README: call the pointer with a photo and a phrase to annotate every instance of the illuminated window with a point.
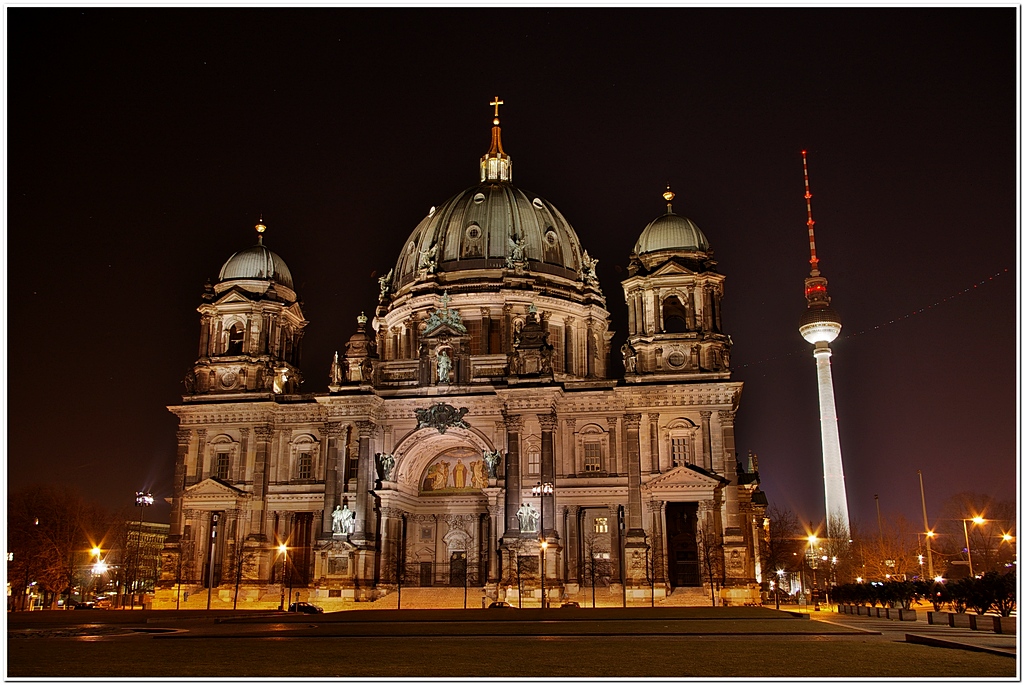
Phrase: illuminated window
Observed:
(601, 524)
(223, 462)
(305, 465)
(533, 462)
(591, 456)
(679, 451)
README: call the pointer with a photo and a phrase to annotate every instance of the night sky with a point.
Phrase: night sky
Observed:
(144, 144)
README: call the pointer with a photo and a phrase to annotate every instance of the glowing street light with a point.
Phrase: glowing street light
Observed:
(283, 549)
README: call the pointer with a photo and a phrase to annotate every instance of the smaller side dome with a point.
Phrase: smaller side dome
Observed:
(671, 231)
(256, 263)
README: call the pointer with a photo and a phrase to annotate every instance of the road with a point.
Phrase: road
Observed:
(512, 643)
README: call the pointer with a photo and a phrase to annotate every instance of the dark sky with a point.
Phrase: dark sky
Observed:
(143, 144)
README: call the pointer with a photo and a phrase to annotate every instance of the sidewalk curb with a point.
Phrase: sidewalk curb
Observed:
(953, 644)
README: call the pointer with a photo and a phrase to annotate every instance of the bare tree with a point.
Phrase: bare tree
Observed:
(516, 570)
(594, 563)
(712, 554)
(780, 542)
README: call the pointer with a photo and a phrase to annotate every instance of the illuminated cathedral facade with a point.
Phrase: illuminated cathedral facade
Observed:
(471, 433)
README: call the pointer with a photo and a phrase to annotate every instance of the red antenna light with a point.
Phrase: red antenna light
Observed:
(810, 218)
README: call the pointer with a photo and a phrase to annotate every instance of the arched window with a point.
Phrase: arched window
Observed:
(236, 336)
(673, 315)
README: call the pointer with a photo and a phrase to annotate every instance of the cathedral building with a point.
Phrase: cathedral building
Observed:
(471, 432)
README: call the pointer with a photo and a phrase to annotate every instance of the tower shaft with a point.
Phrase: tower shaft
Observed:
(836, 511)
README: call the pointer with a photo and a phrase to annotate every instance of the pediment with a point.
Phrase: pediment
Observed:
(672, 268)
(685, 477)
(444, 331)
(211, 488)
(234, 295)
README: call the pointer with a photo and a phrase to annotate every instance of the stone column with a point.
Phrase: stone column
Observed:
(238, 468)
(655, 448)
(547, 470)
(706, 321)
(204, 337)
(591, 351)
(569, 439)
(365, 521)
(659, 321)
(705, 430)
(506, 328)
(180, 457)
(485, 330)
(567, 344)
(634, 519)
(332, 475)
(572, 544)
(200, 455)
(257, 522)
(513, 427)
(733, 524)
(614, 467)
(691, 311)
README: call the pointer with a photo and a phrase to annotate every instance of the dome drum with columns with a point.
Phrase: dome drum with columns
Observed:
(473, 425)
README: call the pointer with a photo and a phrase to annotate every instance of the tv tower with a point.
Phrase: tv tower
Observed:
(820, 325)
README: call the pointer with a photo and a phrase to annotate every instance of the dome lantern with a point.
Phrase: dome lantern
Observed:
(496, 166)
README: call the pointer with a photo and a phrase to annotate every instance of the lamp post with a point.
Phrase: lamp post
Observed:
(928, 531)
(283, 548)
(977, 520)
(95, 553)
(142, 500)
(213, 546)
(542, 490)
(778, 583)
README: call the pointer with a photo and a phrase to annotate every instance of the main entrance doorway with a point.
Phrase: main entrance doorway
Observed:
(681, 535)
(457, 570)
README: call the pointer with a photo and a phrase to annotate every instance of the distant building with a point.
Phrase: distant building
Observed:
(482, 376)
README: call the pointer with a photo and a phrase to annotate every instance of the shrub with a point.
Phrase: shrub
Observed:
(1005, 594)
(958, 592)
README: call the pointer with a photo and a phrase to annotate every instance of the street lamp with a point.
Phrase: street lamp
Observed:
(977, 520)
(283, 549)
(778, 585)
(542, 490)
(142, 500)
(95, 552)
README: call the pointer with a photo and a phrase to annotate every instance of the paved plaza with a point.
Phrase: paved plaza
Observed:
(698, 642)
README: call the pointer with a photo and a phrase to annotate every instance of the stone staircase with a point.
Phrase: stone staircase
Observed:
(686, 597)
(430, 598)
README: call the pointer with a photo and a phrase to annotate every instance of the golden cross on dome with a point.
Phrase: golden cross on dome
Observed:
(496, 103)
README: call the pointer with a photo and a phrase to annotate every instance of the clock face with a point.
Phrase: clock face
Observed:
(677, 359)
(229, 379)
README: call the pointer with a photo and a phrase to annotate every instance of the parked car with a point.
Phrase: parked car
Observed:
(570, 605)
(500, 605)
(305, 608)
(84, 606)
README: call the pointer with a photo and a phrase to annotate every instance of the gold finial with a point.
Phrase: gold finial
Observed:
(496, 103)
(260, 227)
(668, 194)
